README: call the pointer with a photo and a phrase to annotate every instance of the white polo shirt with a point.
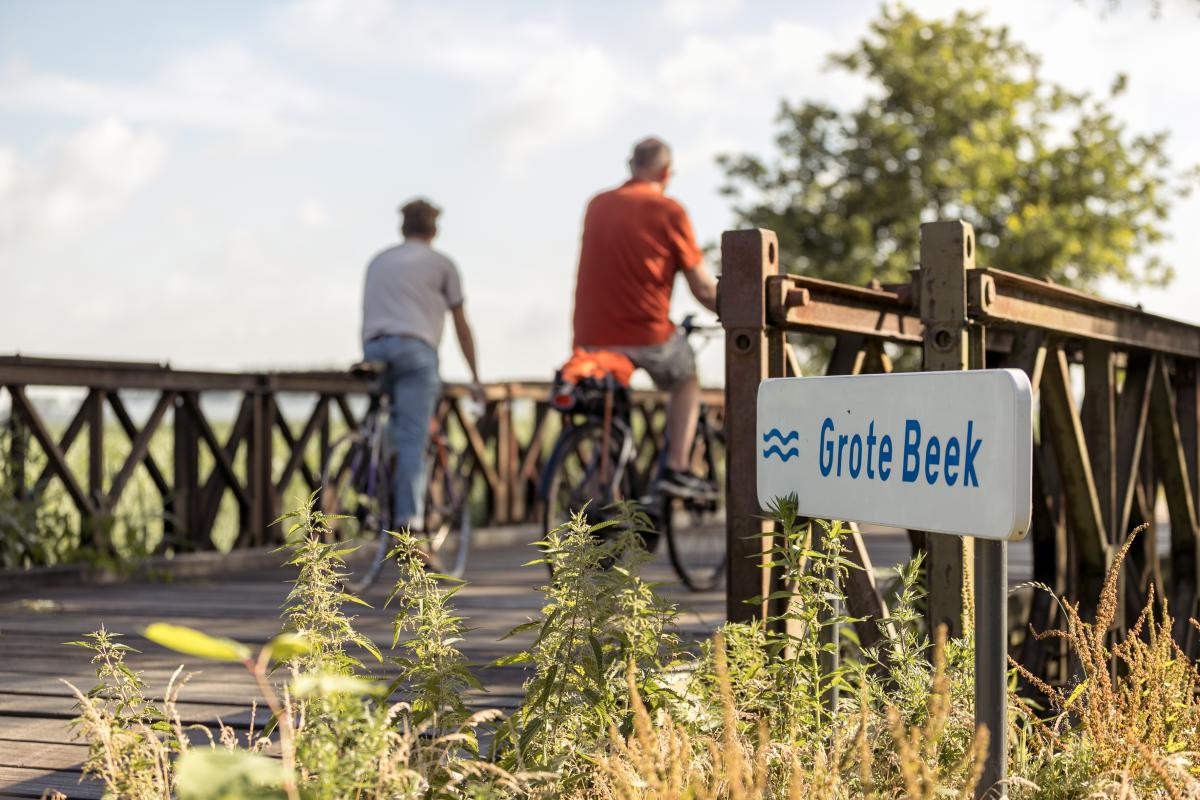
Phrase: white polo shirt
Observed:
(407, 292)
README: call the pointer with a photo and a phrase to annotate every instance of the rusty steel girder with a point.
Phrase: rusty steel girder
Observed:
(1004, 299)
(797, 303)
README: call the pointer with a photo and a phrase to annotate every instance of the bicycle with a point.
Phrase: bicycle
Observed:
(356, 493)
(594, 464)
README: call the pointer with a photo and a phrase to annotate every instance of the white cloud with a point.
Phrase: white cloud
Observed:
(721, 74)
(312, 214)
(90, 178)
(693, 13)
(539, 83)
(224, 86)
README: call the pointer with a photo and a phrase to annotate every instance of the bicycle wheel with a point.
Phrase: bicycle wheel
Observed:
(447, 514)
(358, 493)
(575, 481)
(696, 528)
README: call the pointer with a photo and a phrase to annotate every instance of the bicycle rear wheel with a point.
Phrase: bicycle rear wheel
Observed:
(447, 514)
(356, 495)
(696, 528)
(576, 479)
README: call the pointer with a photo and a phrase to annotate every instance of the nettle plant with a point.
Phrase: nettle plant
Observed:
(617, 706)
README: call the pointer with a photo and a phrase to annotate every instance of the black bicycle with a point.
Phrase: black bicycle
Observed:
(595, 463)
(356, 492)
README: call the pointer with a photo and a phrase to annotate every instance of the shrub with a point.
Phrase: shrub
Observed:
(616, 707)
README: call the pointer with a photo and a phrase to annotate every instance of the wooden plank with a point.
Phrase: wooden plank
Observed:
(1065, 432)
(42, 755)
(1099, 420)
(33, 729)
(847, 355)
(863, 600)
(63, 707)
(64, 445)
(1187, 407)
(1170, 463)
(297, 446)
(791, 362)
(54, 456)
(220, 458)
(138, 448)
(25, 782)
(1133, 409)
(478, 449)
(214, 487)
(95, 425)
(126, 423)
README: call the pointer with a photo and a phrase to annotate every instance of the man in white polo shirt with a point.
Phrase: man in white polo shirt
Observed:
(408, 290)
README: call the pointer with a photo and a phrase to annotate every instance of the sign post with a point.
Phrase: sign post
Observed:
(946, 452)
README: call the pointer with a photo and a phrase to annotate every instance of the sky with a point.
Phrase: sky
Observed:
(204, 183)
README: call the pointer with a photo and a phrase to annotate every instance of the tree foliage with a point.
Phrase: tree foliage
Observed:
(959, 124)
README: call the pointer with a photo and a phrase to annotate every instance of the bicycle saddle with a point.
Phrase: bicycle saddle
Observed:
(365, 369)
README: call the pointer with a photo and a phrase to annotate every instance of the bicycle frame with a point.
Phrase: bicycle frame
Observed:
(616, 426)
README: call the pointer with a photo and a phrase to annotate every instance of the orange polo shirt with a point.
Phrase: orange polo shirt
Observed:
(634, 241)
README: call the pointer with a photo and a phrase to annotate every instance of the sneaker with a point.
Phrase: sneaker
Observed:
(677, 483)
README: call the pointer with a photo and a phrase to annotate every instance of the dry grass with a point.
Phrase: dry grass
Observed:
(663, 760)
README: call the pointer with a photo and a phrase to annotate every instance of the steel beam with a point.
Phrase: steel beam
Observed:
(749, 258)
(796, 303)
(1001, 298)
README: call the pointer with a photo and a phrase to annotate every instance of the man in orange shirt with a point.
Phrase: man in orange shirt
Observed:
(635, 240)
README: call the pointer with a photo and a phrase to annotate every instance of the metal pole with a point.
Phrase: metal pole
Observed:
(991, 661)
(748, 258)
(947, 256)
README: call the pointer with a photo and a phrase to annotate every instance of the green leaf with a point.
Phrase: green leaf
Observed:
(192, 642)
(524, 626)
(530, 731)
(515, 658)
(210, 774)
(287, 646)
(322, 684)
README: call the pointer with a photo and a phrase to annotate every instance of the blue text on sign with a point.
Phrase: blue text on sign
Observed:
(855, 455)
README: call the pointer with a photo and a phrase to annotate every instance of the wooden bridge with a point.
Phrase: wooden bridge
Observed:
(37, 752)
(1118, 437)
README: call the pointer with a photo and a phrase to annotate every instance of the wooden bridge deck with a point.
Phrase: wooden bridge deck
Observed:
(37, 752)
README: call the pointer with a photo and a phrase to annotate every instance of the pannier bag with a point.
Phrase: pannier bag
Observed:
(581, 384)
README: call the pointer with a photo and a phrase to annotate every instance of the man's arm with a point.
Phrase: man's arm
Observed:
(703, 285)
(466, 342)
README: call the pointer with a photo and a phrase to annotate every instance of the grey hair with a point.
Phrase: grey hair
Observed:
(650, 153)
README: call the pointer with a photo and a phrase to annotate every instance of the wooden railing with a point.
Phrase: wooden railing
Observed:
(239, 472)
(1101, 457)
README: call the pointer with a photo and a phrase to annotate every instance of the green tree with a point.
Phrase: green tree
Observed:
(959, 124)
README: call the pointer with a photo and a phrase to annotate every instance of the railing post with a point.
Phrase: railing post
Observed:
(748, 257)
(947, 252)
(260, 477)
(18, 454)
(187, 472)
(952, 342)
(95, 526)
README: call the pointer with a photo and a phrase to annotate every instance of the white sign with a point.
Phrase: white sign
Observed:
(949, 452)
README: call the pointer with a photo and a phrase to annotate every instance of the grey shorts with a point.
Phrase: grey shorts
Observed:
(669, 364)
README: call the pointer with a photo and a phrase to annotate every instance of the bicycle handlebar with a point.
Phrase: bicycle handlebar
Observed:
(690, 327)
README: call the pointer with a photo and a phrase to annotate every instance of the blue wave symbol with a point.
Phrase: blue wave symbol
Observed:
(784, 455)
(783, 440)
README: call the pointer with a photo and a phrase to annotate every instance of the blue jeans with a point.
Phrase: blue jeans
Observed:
(412, 381)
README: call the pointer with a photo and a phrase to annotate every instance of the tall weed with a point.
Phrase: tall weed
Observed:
(617, 707)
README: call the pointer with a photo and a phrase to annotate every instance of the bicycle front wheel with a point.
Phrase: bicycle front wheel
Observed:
(577, 479)
(447, 514)
(696, 528)
(356, 498)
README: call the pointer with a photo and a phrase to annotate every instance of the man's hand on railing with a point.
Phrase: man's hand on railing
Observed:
(478, 393)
